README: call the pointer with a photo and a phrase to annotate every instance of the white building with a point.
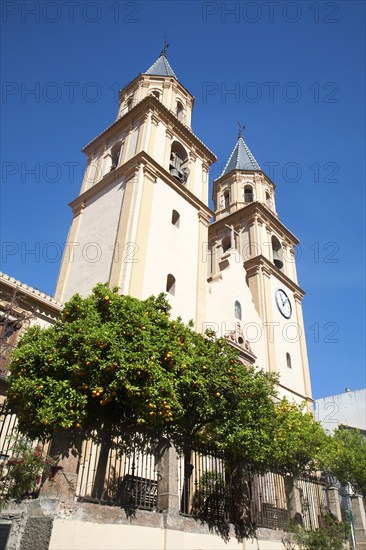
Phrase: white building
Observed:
(142, 223)
(346, 409)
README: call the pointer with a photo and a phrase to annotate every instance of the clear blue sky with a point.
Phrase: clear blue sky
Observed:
(296, 75)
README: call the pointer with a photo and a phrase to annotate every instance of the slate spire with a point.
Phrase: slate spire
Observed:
(161, 67)
(241, 158)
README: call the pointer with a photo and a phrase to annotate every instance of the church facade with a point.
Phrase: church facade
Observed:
(142, 222)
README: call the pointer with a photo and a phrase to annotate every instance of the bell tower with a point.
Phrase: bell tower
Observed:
(246, 223)
(142, 214)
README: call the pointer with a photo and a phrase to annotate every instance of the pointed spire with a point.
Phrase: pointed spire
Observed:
(241, 158)
(161, 67)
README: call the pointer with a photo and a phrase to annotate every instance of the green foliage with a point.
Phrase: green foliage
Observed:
(345, 456)
(331, 535)
(118, 360)
(21, 474)
(298, 439)
(212, 482)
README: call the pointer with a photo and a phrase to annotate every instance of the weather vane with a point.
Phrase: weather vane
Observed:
(166, 45)
(241, 129)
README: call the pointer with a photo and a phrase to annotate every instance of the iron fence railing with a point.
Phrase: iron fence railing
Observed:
(110, 476)
(314, 500)
(207, 487)
(207, 483)
(9, 438)
(204, 484)
(268, 502)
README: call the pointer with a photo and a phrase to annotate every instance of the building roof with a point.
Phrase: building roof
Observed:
(161, 67)
(241, 158)
(28, 290)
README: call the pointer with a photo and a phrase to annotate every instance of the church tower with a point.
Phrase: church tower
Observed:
(141, 217)
(247, 229)
(142, 223)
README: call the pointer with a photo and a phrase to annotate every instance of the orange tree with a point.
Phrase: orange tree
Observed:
(116, 361)
(345, 456)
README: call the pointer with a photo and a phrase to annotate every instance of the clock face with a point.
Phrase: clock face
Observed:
(283, 303)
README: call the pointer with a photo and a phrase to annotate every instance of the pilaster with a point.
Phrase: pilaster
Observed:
(67, 257)
(359, 521)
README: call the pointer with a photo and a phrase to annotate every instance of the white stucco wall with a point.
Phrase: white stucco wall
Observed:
(172, 250)
(82, 535)
(221, 296)
(95, 239)
(286, 334)
(348, 409)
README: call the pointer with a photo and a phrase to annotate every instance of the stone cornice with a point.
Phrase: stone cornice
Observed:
(33, 294)
(128, 170)
(304, 397)
(253, 265)
(258, 210)
(164, 114)
(168, 79)
(237, 173)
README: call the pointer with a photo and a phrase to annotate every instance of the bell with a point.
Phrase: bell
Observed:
(277, 260)
(174, 172)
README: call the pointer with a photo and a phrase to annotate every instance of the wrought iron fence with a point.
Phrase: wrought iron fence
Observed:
(268, 501)
(109, 476)
(207, 486)
(314, 500)
(9, 438)
(204, 484)
(8, 431)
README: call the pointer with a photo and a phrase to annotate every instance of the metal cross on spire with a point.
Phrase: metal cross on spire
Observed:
(166, 45)
(241, 129)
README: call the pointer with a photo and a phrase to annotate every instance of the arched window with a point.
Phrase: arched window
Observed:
(226, 243)
(156, 94)
(129, 103)
(226, 198)
(175, 218)
(170, 284)
(115, 152)
(288, 360)
(277, 252)
(178, 164)
(248, 194)
(179, 111)
(237, 310)
(269, 201)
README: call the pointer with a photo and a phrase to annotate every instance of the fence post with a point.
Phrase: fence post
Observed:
(333, 503)
(293, 499)
(167, 467)
(359, 521)
(63, 484)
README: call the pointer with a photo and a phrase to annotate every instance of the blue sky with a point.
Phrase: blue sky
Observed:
(292, 72)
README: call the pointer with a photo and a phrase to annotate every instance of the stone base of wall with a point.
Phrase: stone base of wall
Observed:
(31, 524)
(53, 524)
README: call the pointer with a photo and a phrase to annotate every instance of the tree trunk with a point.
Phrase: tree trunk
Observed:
(99, 485)
(241, 509)
(187, 472)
